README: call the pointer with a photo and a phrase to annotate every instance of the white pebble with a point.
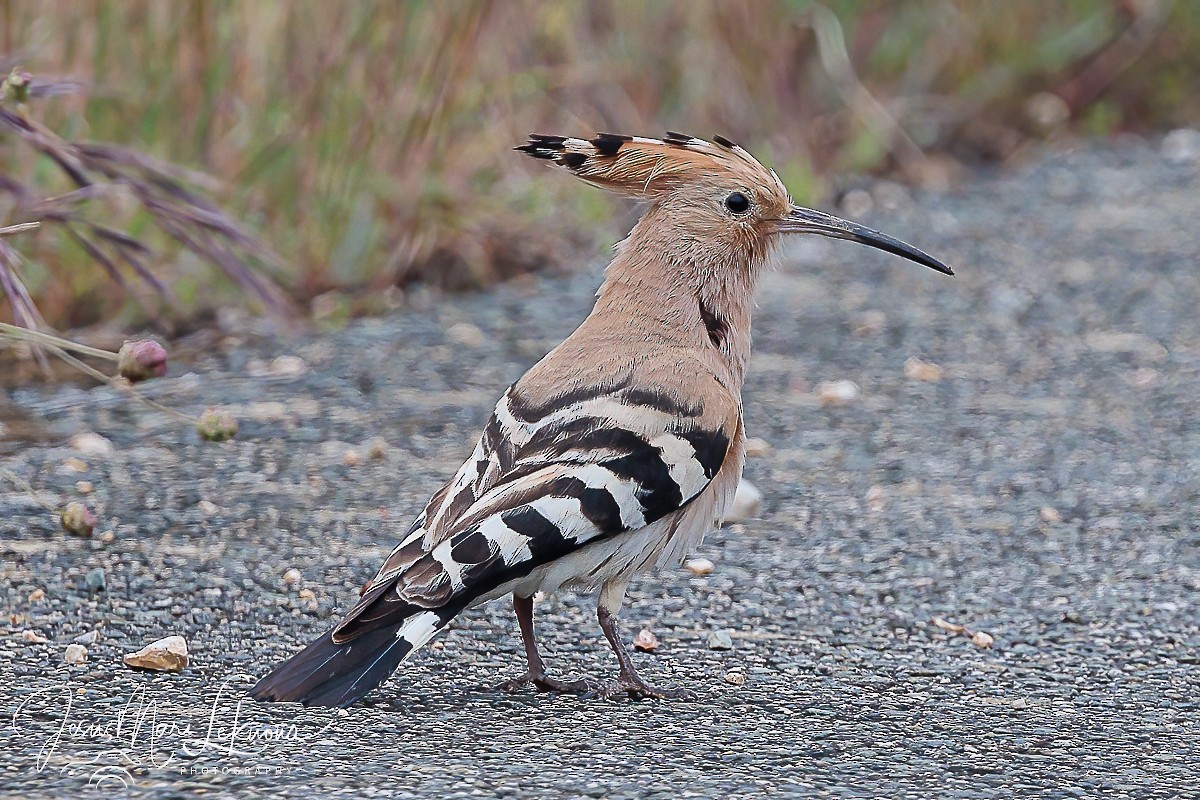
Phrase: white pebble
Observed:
(92, 444)
(916, 369)
(75, 654)
(837, 393)
(756, 448)
(981, 639)
(645, 640)
(747, 503)
(465, 333)
(720, 640)
(169, 654)
(1181, 146)
(288, 367)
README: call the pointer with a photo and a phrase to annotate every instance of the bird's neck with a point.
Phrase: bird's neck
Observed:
(671, 291)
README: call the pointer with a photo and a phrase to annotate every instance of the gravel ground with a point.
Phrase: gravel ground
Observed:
(1043, 492)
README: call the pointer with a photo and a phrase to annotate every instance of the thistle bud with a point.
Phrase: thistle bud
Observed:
(216, 425)
(142, 359)
(16, 86)
(78, 519)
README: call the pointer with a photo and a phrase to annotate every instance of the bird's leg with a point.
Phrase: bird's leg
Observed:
(628, 681)
(535, 671)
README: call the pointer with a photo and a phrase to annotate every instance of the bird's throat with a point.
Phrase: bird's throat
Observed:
(662, 302)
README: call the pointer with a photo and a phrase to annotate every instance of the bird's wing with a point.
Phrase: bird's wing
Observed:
(546, 479)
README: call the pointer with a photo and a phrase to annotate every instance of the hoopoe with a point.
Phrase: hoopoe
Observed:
(619, 450)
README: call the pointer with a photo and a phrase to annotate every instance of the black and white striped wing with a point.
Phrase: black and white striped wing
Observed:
(546, 487)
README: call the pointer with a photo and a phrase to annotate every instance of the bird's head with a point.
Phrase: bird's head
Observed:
(711, 198)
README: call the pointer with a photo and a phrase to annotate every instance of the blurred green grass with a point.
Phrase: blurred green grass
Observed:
(369, 142)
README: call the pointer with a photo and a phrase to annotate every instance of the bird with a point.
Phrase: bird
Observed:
(617, 451)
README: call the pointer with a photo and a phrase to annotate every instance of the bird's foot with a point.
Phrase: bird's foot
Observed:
(637, 689)
(544, 683)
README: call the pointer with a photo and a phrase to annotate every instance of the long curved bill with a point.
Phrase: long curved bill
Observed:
(806, 220)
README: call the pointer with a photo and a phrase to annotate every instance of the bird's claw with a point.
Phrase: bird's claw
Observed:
(637, 689)
(544, 683)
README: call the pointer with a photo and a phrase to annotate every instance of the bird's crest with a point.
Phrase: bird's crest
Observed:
(643, 167)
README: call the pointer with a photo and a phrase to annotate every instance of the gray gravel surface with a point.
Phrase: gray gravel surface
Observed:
(1044, 492)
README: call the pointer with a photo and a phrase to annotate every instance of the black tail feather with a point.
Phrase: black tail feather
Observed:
(335, 675)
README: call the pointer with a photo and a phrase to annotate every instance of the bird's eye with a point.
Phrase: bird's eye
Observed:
(737, 203)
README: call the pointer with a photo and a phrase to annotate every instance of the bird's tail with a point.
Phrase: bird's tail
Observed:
(336, 674)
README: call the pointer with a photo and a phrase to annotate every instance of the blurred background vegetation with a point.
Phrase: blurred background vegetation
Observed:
(369, 143)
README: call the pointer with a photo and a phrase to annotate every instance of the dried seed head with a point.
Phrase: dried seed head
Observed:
(141, 360)
(78, 519)
(216, 425)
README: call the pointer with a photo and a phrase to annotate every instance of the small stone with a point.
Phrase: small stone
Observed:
(1020, 703)
(917, 370)
(857, 203)
(292, 577)
(838, 393)
(465, 333)
(169, 654)
(870, 323)
(33, 637)
(216, 425)
(876, 497)
(74, 465)
(207, 507)
(951, 627)
(1047, 110)
(735, 678)
(83, 487)
(95, 580)
(720, 640)
(288, 367)
(351, 458)
(75, 654)
(1049, 514)
(747, 503)
(141, 360)
(757, 448)
(699, 566)
(307, 594)
(78, 519)
(88, 637)
(37, 594)
(645, 641)
(377, 448)
(92, 444)
(981, 639)
(1142, 377)
(107, 537)
(1127, 343)
(890, 195)
(1181, 146)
